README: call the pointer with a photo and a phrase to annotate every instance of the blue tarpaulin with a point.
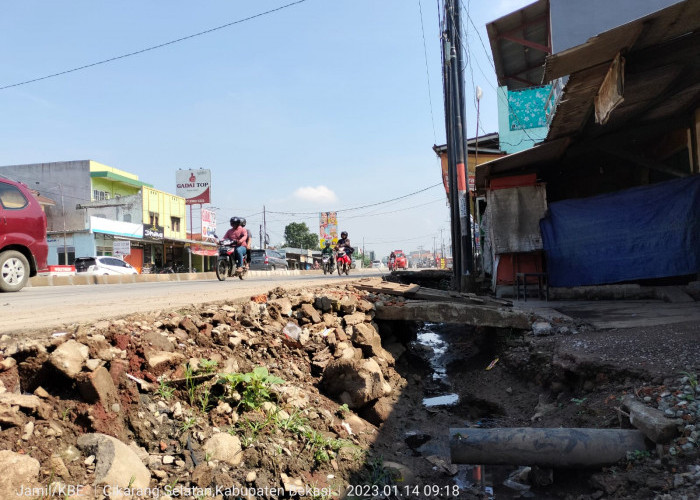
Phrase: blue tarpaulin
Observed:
(645, 232)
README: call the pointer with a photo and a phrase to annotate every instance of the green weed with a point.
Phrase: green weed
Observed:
(188, 424)
(164, 390)
(254, 386)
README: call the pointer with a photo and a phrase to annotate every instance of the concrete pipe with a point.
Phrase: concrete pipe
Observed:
(562, 448)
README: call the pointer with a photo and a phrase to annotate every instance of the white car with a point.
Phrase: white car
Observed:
(103, 265)
(377, 264)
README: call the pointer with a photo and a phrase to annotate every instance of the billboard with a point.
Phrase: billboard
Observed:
(194, 186)
(328, 228)
(208, 224)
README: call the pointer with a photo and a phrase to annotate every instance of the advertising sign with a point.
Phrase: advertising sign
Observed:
(194, 186)
(153, 232)
(121, 247)
(328, 228)
(208, 224)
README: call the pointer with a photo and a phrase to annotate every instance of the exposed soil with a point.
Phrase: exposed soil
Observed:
(396, 444)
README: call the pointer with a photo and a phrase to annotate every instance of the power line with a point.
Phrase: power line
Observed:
(363, 206)
(427, 73)
(154, 47)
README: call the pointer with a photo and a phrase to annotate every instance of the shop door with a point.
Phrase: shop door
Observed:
(135, 259)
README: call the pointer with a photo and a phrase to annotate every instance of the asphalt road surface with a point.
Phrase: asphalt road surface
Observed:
(39, 308)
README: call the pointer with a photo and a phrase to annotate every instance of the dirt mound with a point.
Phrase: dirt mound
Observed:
(297, 394)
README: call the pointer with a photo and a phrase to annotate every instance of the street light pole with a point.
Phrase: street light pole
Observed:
(63, 211)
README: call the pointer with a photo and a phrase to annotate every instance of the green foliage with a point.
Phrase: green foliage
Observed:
(254, 386)
(297, 235)
(637, 455)
(342, 410)
(188, 424)
(190, 384)
(164, 390)
(377, 474)
(577, 401)
(322, 448)
(207, 365)
(692, 379)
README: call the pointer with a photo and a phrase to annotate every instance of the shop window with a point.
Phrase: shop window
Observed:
(175, 224)
(61, 256)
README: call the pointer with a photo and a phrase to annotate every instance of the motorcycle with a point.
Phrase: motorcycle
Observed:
(225, 263)
(343, 260)
(327, 264)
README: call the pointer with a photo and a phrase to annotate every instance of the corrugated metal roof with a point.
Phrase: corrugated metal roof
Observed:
(520, 41)
(661, 55)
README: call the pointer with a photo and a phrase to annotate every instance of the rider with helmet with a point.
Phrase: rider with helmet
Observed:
(344, 242)
(328, 250)
(238, 236)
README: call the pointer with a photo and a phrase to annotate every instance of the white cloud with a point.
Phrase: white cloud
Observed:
(320, 194)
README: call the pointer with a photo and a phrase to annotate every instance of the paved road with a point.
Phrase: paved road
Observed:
(54, 306)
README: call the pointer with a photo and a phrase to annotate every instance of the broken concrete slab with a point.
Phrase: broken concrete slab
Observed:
(674, 294)
(651, 421)
(70, 357)
(451, 312)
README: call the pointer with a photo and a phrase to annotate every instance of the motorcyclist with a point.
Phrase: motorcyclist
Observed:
(344, 242)
(248, 241)
(328, 250)
(238, 236)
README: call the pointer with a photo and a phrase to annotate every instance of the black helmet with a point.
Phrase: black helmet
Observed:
(235, 220)
(344, 234)
(243, 222)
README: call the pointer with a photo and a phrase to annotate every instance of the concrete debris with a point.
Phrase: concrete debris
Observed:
(117, 464)
(69, 358)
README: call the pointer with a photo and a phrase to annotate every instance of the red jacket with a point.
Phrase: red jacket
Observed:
(239, 235)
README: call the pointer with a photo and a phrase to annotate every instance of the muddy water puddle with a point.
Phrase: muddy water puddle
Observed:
(442, 347)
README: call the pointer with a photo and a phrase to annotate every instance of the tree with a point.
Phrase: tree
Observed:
(297, 235)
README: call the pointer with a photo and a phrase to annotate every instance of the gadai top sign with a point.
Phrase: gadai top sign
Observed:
(194, 186)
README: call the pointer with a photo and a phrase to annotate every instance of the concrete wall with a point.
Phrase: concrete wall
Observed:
(82, 243)
(574, 22)
(69, 180)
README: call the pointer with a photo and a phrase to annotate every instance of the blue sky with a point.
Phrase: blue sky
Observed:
(320, 106)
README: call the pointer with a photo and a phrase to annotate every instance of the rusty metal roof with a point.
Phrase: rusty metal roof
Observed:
(662, 55)
(520, 41)
(661, 86)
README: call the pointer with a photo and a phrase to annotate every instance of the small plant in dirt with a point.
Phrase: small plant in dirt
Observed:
(164, 390)
(190, 383)
(377, 474)
(254, 387)
(692, 379)
(294, 423)
(207, 365)
(188, 424)
(251, 428)
(633, 456)
(342, 410)
(578, 401)
(322, 448)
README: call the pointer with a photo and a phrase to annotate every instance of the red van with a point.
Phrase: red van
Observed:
(23, 246)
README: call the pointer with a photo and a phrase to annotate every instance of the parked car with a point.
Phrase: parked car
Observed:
(377, 263)
(267, 260)
(23, 246)
(103, 265)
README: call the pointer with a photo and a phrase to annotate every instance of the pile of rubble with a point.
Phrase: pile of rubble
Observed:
(252, 400)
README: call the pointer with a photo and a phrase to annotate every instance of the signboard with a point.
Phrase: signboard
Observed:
(153, 232)
(194, 186)
(208, 224)
(121, 247)
(328, 228)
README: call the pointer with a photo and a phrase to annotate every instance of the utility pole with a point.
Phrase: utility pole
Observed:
(455, 124)
(264, 225)
(63, 210)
